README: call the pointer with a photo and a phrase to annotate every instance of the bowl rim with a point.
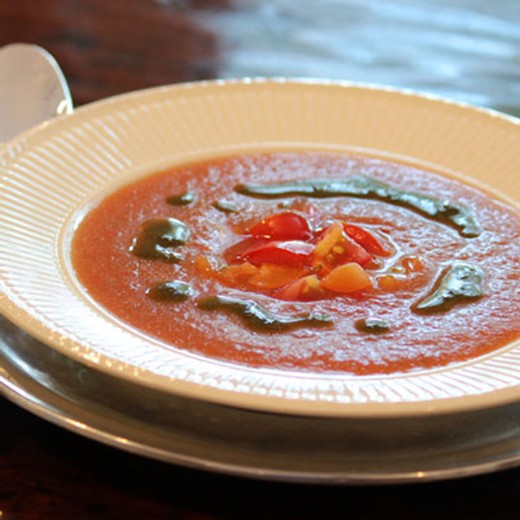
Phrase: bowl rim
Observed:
(323, 406)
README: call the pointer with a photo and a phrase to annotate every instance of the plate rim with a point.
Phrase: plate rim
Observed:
(75, 410)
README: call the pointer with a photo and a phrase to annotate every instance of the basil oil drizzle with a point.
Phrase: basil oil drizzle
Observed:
(372, 325)
(225, 206)
(460, 283)
(441, 210)
(182, 199)
(157, 238)
(170, 291)
(257, 317)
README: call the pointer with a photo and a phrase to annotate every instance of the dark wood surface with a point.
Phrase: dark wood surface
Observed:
(110, 47)
(49, 473)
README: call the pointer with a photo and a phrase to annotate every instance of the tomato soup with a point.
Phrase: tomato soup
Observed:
(308, 261)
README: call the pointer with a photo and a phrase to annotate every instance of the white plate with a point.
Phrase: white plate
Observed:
(50, 174)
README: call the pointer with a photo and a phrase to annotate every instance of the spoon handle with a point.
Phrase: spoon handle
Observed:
(33, 89)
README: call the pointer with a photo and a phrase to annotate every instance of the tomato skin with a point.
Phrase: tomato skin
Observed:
(235, 253)
(292, 252)
(365, 239)
(355, 252)
(282, 226)
(273, 276)
(335, 247)
(303, 289)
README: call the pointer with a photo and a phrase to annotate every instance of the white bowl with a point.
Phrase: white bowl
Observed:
(50, 174)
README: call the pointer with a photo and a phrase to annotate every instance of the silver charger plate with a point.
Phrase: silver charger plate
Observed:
(248, 443)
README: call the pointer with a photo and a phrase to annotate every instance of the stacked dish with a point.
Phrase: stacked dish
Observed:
(83, 366)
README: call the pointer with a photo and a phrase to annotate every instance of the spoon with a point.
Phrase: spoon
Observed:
(33, 89)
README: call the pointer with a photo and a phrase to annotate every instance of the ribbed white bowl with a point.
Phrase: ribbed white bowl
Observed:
(50, 173)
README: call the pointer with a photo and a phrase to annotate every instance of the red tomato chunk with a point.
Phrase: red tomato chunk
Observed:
(282, 226)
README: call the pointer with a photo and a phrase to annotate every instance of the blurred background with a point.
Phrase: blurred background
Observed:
(467, 50)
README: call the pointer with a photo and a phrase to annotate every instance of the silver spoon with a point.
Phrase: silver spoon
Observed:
(33, 89)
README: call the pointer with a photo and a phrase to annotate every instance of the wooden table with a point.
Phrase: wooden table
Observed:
(463, 49)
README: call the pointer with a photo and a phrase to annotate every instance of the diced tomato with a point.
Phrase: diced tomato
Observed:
(273, 276)
(306, 288)
(237, 274)
(335, 247)
(327, 239)
(365, 239)
(292, 252)
(235, 253)
(282, 226)
(391, 282)
(283, 256)
(203, 265)
(347, 278)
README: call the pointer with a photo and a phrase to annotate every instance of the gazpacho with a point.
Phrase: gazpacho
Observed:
(311, 261)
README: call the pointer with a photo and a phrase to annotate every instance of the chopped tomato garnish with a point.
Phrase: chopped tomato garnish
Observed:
(346, 278)
(328, 238)
(391, 282)
(282, 256)
(273, 276)
(366, 239)
(204, 265)
(282, 226)
(235, 253)
(238, 274)
(292, 252)
(306, 288)
(335, 247)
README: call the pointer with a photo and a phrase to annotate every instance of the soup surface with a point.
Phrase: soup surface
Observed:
(310, 261)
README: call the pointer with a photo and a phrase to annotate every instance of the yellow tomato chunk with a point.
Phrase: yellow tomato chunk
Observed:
(240, 273)
(331, 239)
(272, 276)
(347, 278)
